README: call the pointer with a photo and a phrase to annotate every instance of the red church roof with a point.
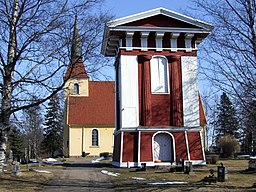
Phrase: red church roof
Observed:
(76, 70)
(97, 109)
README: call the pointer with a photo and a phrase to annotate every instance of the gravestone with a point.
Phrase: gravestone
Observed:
(222, 173)
(15, 167)
(189, 168)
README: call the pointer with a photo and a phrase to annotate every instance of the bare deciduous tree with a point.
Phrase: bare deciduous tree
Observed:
(35, 41)
(229, 57)
(32, 128)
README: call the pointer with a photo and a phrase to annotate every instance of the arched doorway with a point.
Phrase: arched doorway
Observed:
(163, 147)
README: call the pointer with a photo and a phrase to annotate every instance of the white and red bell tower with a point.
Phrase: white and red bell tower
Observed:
(159, 114)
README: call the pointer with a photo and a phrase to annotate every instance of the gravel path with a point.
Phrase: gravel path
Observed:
(79, 177)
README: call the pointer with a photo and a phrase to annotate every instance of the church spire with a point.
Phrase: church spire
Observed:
(76, 67)
(76, 47)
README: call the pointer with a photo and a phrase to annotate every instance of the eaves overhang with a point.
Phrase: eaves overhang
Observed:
(118, 25)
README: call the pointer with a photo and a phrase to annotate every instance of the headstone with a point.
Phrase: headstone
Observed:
(252, 164)
(15, 167)
(143, 166)
(222, 173)
(189, 168)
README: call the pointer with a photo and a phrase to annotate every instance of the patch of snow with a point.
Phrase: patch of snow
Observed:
(104, 171)
(49, 160)
(42, 171)
(97, 160)
(138, 178)
(109, 173)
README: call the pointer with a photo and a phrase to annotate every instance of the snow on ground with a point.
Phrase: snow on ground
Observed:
(138, 178)
(97, 160)
(109, 173)
(42, 171)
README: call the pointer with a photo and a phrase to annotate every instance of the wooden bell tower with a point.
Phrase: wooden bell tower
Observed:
(159, 113)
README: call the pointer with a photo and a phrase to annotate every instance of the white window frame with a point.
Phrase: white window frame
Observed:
(156, 76)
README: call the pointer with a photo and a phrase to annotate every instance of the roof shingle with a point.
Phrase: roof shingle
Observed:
(76, 70)
(97, 109)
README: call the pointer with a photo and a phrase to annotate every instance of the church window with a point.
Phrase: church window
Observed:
(159, 75)
(76, 88)
(95, 137)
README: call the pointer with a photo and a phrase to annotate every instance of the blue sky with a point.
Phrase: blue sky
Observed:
(121, 8)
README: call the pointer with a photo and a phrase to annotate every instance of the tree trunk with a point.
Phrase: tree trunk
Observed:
(3, 140)
(7, 86)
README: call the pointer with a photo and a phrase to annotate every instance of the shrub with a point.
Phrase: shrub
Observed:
(228, 145)
(212, 158)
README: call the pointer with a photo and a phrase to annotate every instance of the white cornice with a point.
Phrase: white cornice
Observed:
(117, 25)
(159, 29)
(156, 129)
(159, 11)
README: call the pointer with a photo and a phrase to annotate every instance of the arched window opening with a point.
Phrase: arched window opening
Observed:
(159, 75)
(95, 137)
(76, 88)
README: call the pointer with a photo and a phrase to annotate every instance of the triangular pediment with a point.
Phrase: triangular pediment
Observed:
(160, 21)
(160, 17)
(157, 22)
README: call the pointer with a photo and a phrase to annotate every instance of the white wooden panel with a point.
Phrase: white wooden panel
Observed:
(190, 91)
(129, 115)
(129, 87)
(119, 94)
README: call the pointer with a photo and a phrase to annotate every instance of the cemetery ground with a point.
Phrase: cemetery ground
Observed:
(79, 174)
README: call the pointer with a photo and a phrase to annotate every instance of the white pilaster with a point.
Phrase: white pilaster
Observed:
(188, 41)
(121, 147)
(187, 145)
(129, 37)
(129, 101)
(139, 139)
(190, 91)
(174, 41)
(159, 41)
(144, 41)
(203, 146)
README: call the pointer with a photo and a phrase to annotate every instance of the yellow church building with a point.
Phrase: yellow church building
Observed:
(89, 108)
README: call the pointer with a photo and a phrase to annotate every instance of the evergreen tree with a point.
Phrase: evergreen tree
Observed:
(227, 123)
(16, 143)
(53, 130)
